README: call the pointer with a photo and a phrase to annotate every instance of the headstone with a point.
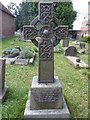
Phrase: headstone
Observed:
(71, 51)
(3, 87)
(45, 98)
(65, 43)
(82, 45)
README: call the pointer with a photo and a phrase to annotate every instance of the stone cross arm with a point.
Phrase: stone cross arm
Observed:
(30, 33)
(60, 32)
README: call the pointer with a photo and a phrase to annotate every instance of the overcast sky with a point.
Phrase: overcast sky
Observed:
(81, 6)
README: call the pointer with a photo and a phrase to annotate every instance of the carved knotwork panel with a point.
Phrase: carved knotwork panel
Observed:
(30, 32)
(46, 50)
(46, 12)
(61, 32)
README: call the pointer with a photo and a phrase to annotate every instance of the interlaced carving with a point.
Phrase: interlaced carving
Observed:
(45, 51)
(46, 13)
(50, 38)
(30, 32)
(61, 32)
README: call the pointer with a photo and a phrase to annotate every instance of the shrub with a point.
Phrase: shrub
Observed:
(27, 52)
(86, 39)
(7, 51)
(10, 52)
(59, 49)
(35, 49)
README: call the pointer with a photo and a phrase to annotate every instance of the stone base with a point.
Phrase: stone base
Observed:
(46, 95)
(46, 101)
(2, 94)
(46, 113)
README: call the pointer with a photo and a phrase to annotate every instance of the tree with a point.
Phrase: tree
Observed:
(65, 13)
(13, 8)
(26, 11)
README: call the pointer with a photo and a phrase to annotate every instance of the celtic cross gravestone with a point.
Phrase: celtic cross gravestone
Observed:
(50, 38)
(45, 97)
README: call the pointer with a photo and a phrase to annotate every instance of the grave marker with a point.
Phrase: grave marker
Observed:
(3, 87)
(50, 38)
(71, 51)
(45, 98)
(65, 43)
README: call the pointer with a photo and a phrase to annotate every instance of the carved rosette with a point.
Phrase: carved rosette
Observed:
(45, 32)
(46, 12)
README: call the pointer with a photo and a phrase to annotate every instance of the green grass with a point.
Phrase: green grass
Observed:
(18, 78)
(11, 42)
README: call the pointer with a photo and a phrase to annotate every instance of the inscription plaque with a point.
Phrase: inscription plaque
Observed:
(47, 95)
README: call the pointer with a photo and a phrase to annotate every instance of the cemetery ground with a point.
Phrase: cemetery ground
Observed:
(19, 77)
(83, 56)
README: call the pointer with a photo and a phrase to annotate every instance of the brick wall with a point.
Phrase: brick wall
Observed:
(6, 25)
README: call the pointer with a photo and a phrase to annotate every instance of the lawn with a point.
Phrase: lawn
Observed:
(18, 78)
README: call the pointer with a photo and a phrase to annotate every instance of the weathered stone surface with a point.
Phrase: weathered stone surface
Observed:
(3, 87)
(71, 51)
(31, 61)
(82, 45)
(2, 73)
(10, 60)
(2, 93)
(21, 61)
(65, 43)
(46, 96)
(54, 114)
(49, 39)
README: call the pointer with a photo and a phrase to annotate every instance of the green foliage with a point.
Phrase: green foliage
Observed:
(35, 49)
(13, 8)
(27, 52)
(58, 49)
(65, 13)
(26, 11)
(7, 51)
(86, 39)
(10, 52)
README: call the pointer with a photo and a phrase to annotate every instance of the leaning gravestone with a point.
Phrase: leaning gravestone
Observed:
(3, 87)
(45, 98)
(71, 51)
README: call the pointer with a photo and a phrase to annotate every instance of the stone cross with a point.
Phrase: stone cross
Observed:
(49, 39)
